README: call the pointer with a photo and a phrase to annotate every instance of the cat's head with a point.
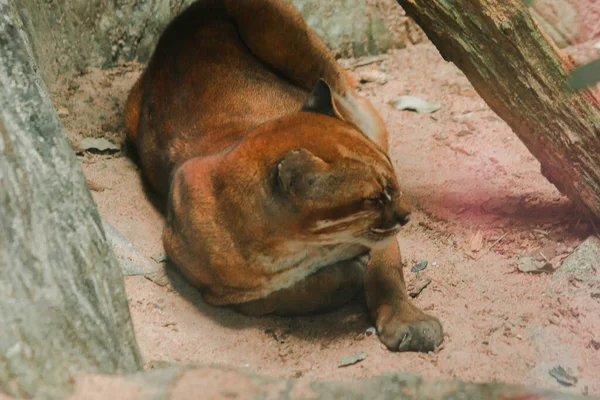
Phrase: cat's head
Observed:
(323, 179)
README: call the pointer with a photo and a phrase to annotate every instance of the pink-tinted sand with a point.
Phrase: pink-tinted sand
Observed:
(475, 186)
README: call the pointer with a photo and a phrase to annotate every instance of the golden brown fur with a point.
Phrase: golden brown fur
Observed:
(281, 196)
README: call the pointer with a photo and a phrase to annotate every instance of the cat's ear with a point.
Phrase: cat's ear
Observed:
(321, 101)
(347, 107)
(301, 174)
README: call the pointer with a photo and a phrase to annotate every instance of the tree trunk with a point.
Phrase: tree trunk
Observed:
(523, 77)
(63, 309)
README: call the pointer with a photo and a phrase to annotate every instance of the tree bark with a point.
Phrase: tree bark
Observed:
(63, 309)
(523, 77)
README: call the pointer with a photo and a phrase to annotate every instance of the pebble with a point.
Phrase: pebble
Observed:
(530, 264)
(417, 286)
(419, 267)
(62, 112)
(373, 75)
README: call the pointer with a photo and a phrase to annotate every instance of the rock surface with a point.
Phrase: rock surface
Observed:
(63, 309)
(215, 382)
(72, 35)
(131, 260)
(584, 263)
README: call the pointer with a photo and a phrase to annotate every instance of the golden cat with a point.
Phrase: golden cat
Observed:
(281, 197)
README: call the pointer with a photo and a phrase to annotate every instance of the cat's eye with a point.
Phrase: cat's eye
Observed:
(375, 199)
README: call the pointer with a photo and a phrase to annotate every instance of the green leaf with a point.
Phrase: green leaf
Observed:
(585, 75)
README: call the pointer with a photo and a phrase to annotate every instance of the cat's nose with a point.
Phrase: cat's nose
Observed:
(402, 218)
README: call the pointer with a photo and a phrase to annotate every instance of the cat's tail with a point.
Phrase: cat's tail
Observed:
(132, 111)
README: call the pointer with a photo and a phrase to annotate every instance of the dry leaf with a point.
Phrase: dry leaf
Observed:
(476, 242)
(531, 265)
(417, 104)
(98, 145)
(351, 360)
(562, 376)
(373, 75)
(467, 93)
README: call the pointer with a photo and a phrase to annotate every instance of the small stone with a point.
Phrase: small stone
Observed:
(419, 267)
(416, 287)
(465, 132)
(95, 186)
(594, 344)
(554, 319)
(531, 265)
(62, 112)
(373, 75)
(595, 295)
(371, 331)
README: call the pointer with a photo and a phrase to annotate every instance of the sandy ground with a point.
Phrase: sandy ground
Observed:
(481, 205)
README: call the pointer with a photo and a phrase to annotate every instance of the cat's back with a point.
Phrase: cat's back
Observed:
(203, 90)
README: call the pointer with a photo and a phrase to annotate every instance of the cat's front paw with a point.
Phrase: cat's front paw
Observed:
(422, 334)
